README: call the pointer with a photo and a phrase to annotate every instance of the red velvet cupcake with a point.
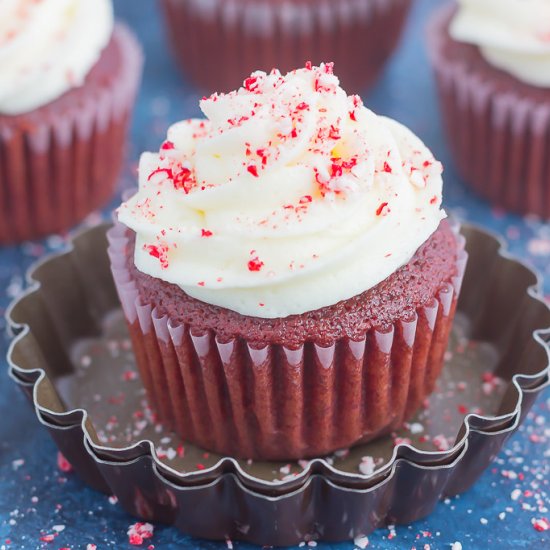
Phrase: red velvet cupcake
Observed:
(492, 65)
(219, 41)
(64, 111)
(285, 272)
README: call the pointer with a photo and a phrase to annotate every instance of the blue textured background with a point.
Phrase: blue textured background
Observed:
(35, 496)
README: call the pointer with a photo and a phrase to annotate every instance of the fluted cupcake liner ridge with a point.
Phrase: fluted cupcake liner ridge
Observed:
(218, 43)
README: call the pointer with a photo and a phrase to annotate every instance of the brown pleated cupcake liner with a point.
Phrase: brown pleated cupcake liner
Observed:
(220, 42)
(57, 168)
(66, 314)
(277, 403)
(500, 140)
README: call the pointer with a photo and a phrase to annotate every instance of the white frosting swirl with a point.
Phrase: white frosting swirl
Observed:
(48, 47)
(512, 35)
(290, 197)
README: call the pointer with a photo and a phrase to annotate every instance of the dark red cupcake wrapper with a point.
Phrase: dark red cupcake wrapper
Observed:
(499, 139)
(220, 42)
(277, 403)
(57, 167)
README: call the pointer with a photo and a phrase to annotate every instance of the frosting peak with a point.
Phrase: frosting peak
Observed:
(290, 196)
(513, 35)
(48, 47)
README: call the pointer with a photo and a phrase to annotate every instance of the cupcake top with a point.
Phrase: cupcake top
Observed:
(48, 47)
(512, 35)
(290, 196)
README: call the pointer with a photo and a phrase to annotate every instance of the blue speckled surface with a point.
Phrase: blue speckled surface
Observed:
(35, 496)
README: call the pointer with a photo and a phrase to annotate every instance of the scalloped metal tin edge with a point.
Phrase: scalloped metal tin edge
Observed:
(97, 470)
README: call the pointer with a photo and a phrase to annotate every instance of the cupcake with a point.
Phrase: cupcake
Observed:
(218, 41)
(286, 271)
(68, 78)
(492, 64)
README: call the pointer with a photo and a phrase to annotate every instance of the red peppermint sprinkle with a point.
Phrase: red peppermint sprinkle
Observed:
(201, 466)
(139, 532)
(158, 251)
(382, 209)
(135, 539)
(237, 121)
(433, 200)
(62, 463)
(334, 133)
(309, 65)
(294, 133)
(167, 146)
(427, 163)
(166, 171)
(255, 264)
(153, 251)
(200, 283)
(302, 106)
(329, 68)
(129, 375)
(349, 164)
(184, 180)
(253, 169)
(206, 233)
(488, 377)
(541, 524)
(336, 170)
(306, 199)
(262, 153)
(322, 184)
(387, 168)
(352, 116)
(251, 83)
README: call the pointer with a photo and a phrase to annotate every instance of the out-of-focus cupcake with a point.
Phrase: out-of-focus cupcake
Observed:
(285, 270)
(217, 42)
(68, 80)
(492, 64)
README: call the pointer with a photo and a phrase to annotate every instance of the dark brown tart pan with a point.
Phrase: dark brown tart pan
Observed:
(71, 356)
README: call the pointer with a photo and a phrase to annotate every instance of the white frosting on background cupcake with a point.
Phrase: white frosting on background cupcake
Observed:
(512, 35)
(48, 47)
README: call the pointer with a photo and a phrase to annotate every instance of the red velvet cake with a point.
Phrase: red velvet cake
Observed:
(217, 42)
(60, 160)
(286, 272)
(497, 125)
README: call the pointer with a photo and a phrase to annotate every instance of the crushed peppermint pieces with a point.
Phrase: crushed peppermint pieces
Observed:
(158, 251)
(540, 524)
(361, 542)
(63, 464)
(254, 264)
(382, 209)
(367, 465)
(252, 169)
(139, 532)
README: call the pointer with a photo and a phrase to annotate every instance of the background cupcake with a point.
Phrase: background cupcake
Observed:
(219, 41)
(492, 64)
(287, 279)
(68, 78)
